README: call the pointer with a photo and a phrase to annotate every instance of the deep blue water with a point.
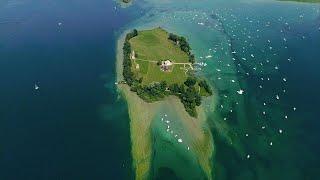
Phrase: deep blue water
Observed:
(73, 127)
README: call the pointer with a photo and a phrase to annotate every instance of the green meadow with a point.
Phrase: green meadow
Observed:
(152, 46)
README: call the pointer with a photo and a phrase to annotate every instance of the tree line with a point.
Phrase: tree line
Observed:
(183, 44)
(188, 94)
(127, 73)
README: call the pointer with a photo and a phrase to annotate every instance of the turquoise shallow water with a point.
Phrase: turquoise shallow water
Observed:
(174, 148)
(168, 152)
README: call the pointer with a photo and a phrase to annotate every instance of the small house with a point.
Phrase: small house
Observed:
(165, 65)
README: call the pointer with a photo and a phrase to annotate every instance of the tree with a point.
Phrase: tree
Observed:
(182, 89)
(173, 37)
(197, 99)
(135, 33)
(174, 88)
(132, 34)
(163, 85)
(191, 81)
(192, 58)
(182, 39)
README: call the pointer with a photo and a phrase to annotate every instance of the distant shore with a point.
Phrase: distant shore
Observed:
(125, 3)
(303, 1)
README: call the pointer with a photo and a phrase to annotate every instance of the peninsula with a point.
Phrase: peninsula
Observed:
(157, 64)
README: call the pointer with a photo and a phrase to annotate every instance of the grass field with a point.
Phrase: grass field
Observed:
(151, 46)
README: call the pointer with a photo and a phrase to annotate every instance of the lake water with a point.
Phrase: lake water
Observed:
(75, 127)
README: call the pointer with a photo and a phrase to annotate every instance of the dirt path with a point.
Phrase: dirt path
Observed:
(189, 64)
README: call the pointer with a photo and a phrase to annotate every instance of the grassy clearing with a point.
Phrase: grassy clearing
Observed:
(155, 74)
(153, 45)
(143, 67)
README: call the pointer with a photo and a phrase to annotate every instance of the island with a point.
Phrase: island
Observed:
(126, 1)
(157, 64)
(167, 104)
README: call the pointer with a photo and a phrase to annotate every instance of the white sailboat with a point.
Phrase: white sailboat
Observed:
(36, 87)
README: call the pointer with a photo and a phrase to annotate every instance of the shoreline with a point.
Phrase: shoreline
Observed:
(141, 116)
(119, 56)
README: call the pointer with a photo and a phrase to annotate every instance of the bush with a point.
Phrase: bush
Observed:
(192, 58)
(173, 37)
(175, 88)
(190, 99)
(191, 81)
(184, 45)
